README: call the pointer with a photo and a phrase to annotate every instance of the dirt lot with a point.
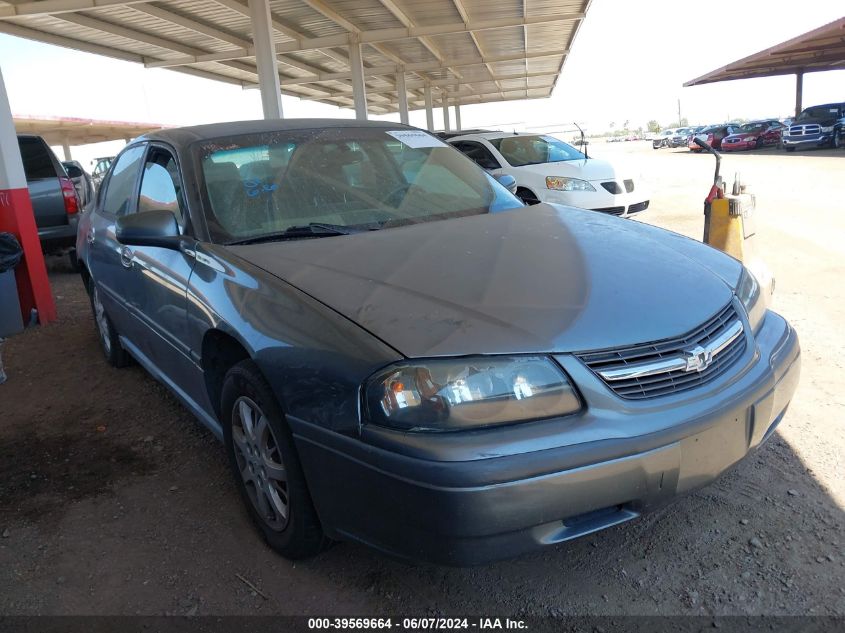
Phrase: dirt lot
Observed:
(113, 500)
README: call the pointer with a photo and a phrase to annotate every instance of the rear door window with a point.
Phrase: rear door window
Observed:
(121, 183)
(37, 162)
(482, 156)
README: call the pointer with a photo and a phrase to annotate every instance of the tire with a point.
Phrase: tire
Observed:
(836, 141)
(115, 355)
(527, 196)
(758, 144)
(789, 149)
(265, 465)
(73, 259)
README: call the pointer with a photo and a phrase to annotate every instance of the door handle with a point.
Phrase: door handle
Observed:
(126, 257)
(90, 237)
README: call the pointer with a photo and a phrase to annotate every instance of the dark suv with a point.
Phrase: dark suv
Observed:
(814, 127)
(54, 199)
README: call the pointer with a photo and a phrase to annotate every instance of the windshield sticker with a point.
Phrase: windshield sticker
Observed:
(255, 188)
(417, 139)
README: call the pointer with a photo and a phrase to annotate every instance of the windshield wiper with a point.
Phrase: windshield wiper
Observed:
(313, 229)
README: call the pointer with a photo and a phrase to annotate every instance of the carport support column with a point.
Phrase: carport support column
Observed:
(402, 93)
(265, 59)
(16, 217)
(799, 92)
(446, 126)
(457, 117)
(359, 88)
(429, 108)
(66, 148)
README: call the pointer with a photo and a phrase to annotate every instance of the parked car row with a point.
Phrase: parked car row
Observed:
(354, 307)
(816, 127)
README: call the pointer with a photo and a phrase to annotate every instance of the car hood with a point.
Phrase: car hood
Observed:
(540, 279)
(586, 169)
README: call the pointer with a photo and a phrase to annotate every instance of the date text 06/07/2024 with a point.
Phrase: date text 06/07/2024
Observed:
(417, 624)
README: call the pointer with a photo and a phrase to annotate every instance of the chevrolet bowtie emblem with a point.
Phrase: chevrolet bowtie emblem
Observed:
(697, 358)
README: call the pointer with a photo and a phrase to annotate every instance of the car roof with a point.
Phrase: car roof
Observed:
(182, 136)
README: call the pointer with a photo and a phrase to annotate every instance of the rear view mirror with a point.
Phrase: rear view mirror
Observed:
(149, 228)
(507, 181)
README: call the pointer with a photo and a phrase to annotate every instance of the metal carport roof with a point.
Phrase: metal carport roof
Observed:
(818, 50)
(469, 51)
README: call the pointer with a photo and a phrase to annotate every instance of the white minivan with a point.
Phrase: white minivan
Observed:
(548, 170)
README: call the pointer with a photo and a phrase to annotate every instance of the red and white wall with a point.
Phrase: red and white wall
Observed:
(16, 217)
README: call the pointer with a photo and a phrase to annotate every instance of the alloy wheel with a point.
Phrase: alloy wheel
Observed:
(260, 463)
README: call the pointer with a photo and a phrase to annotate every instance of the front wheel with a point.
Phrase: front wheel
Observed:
(837, 141)
(758, 144)
(789, 149)
(266, 466)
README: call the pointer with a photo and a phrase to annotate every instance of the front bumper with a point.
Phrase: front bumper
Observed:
(814, 140)
(738, 145)
(469, 498)
(621, 204)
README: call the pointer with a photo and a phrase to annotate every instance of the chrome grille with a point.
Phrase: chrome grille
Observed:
(805, 130)
(663, 357)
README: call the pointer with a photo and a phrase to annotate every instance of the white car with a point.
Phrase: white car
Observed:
(548, 170)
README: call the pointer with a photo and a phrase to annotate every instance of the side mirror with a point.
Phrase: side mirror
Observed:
(149, 228)
(507, 181)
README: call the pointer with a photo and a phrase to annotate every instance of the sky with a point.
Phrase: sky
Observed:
(628, 63)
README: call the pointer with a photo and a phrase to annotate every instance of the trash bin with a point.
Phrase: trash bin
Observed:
(10, 307)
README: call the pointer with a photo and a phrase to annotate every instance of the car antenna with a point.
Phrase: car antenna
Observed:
(583, 142)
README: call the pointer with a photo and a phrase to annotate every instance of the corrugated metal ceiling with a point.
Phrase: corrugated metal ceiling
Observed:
(471, 51)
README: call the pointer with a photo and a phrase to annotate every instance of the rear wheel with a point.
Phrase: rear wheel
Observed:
(527, 196)
(115, 355)
(266, 466)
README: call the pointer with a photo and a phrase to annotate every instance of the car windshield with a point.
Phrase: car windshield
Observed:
(821, 112)
(751, 127)
(342, 179)
(534, 150)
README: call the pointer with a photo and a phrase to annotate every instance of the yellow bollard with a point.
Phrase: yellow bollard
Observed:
(731, 225)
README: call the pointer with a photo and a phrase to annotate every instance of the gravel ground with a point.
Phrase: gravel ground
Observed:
(113, 500)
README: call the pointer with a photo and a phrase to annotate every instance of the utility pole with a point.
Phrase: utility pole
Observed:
(679, 112)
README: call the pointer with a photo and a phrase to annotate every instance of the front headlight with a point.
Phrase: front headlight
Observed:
(562, 183)
(752, 297)
(468, 393)
(749, 138)
(827, 129)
